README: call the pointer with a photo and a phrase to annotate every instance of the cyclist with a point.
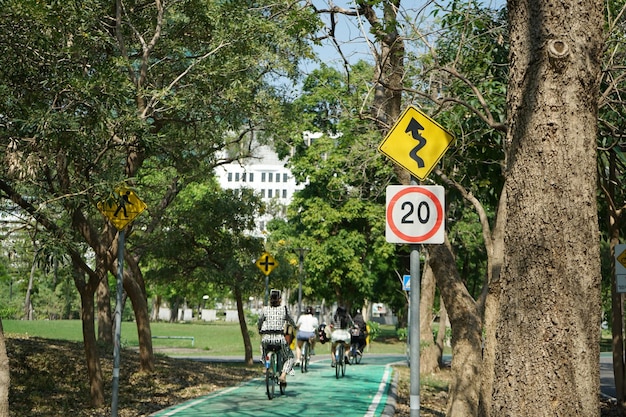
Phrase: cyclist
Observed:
(359, 332)
(272, 322)
(307, 325)
(340, 325)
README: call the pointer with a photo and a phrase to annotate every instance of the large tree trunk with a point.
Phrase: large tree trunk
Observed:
(105, 321)
(243, 326)
(430, 354)
(466, 325)
(5, 379)
(549, 311)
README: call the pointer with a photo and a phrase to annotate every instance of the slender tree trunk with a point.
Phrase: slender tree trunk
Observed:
(142, 318)
(87, 291)
(5, 376)
(139, 299)
(28, 305)
(617, 298)
(430, 354)
(243, 326)
(466, 325)
(492, 293)
(443, 326)
(549, 311)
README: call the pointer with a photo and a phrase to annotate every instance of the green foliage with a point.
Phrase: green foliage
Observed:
(87, 105)
(402, 333)
(339, 215)
(373, 330)
(203, 241)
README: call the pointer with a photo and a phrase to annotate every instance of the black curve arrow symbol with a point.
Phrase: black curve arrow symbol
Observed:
(414, 127)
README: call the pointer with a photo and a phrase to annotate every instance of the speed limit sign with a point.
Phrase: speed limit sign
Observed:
(415, 214)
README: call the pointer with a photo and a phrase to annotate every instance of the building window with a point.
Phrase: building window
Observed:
(262, 176)
(277, 177)
(243, 177)
(269, 193)
(230, 177)
(237, 177)
(284, 177)
(251, 176)
(263, 193)
(284, 193)
(277, 193)
(271, 177)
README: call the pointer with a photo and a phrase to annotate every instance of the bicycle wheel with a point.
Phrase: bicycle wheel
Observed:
(358, 356)
(270, 375)
(304, 357)
(342, 351)
(279, 370)
(338, 360)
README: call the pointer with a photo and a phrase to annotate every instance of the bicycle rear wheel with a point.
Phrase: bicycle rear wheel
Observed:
(343, 360)
(270, 375)
(304, 357)
(340, 362)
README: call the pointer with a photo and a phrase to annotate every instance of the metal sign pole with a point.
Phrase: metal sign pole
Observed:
(118, 323)
(414, 336)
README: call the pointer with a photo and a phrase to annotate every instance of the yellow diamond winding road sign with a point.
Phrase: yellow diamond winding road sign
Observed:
(266, 263)
(122, 207)
(416, 142)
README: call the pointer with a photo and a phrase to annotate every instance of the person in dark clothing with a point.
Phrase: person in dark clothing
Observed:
(359, 331)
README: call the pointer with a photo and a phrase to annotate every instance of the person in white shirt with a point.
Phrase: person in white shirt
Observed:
(307, 326)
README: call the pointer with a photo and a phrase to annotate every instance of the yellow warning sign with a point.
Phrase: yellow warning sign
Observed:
(266, 263)
(416, 142)
(122, 207)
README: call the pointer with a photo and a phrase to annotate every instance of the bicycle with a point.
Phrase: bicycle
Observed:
(355, 354)
(273, 368)
(305, 356)
(340, 359)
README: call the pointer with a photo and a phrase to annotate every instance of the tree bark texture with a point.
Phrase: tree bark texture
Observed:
(247, 343)
(105, 320)
(548, 327)
(5, 376)
(465, 320)
(136, 290)
(430, 353)
(87, 291)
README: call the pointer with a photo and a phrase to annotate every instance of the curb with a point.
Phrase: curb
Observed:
(392, 397)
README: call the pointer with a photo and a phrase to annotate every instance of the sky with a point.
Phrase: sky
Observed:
(351, 31)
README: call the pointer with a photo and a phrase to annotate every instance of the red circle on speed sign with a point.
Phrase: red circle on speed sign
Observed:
(415, 222)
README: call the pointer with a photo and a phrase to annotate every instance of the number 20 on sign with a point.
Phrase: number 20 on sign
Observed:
(415, 214)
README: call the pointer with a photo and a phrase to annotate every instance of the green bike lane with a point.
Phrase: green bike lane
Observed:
(362, 392)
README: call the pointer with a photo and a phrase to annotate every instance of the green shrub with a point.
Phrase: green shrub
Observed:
(374, 330)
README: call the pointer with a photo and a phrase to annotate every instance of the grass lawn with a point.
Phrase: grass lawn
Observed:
(210, 339)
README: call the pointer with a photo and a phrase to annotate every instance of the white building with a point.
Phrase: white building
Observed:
(267, 176)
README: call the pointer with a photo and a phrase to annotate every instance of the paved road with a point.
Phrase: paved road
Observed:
(363, 391)
(607, 381)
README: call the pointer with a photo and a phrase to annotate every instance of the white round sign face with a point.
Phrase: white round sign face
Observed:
(415, 214)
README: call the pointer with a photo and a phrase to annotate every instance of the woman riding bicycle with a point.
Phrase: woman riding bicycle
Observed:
(272, 322)
(340, 325)
(307, 325)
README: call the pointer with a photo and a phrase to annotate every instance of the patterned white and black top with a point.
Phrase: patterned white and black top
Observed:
(272, 320)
